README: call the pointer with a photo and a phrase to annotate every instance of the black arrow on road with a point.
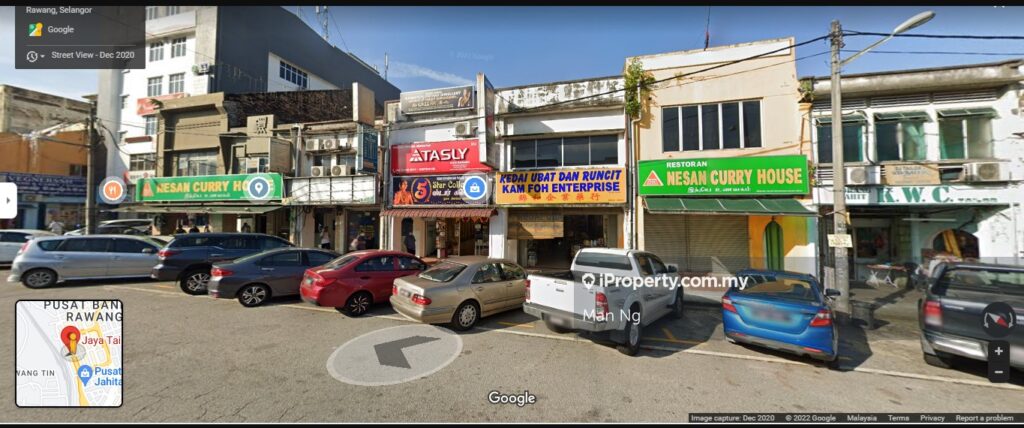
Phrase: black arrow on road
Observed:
(390, 353)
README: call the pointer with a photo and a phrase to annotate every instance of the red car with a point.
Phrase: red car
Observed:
(353, 282)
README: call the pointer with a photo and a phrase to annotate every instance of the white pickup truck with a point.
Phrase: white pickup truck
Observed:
(606, 291)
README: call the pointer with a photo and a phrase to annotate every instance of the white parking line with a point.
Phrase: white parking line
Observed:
(574, 338)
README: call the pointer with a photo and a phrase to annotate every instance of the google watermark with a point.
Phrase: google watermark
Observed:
(591, 280)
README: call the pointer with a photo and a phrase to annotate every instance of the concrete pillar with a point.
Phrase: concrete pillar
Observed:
(498, 231)
(419, 230)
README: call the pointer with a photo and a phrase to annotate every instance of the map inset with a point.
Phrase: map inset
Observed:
(68, 353)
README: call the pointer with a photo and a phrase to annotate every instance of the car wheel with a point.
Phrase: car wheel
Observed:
(358, 304)
(465, 316)
(39, 278)
(834, 364)
(940, 361)
(632, 333)
(677, 306)
(194, 281)
(555, 328)
(253, 295)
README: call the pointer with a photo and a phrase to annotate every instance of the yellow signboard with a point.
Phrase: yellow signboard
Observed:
(561, 186)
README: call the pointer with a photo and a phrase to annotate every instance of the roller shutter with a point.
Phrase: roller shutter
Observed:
(699, 243)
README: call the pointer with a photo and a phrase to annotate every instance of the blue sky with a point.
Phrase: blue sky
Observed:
(431, 47)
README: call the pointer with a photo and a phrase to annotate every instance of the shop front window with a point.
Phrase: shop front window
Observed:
(195, 163)
(958, 243)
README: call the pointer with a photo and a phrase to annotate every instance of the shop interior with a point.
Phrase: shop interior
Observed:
(549, 241)
(448, 237)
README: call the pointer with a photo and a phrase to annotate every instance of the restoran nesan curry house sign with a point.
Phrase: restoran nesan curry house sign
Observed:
(236, 187)
(757, 175)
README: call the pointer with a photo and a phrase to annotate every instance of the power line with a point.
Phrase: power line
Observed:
(941, 53)
(933, 36)
(337, 30)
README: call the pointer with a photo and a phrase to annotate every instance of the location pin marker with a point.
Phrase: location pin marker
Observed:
(85, 373)
(70, 336)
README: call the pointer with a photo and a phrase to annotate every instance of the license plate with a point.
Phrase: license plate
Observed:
(556, 320)
(404, 293)
(771, 315)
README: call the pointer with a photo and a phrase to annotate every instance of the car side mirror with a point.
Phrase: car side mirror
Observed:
(832, 293)
(672, 269)
(148, 251)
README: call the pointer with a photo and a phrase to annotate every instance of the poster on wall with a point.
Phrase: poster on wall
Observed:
(437, 190)
(755, 175)
(573, 186)
(437, 157)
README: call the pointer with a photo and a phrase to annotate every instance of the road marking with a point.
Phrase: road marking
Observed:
(943, 379)
(165, 286)
(512, 324)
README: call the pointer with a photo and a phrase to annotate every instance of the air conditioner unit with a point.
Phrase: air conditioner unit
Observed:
(339, 170)
(317, 171)
(312, 145)
(329, 144)
(987, 171)
(863, 175)
(464, 129)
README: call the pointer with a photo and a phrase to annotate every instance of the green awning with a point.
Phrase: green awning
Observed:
(763, 206)
(964, 112)
(903, 115)
(199, 209)
(847, 118)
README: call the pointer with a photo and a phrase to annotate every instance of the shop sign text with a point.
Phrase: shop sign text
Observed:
(576, 186)
(759, 175)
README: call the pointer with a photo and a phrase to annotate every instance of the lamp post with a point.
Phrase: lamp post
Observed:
(842, 274)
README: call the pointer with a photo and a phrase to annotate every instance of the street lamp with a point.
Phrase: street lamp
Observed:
(842, 280)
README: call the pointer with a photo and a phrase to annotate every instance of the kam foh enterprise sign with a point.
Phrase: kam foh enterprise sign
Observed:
(235, 187)
(564, 186)
(736, 176)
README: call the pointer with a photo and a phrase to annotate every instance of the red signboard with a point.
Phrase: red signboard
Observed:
(441, 157)
(146, 106)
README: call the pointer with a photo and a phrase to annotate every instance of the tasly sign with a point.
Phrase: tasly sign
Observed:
(236, 187)
(737, 176)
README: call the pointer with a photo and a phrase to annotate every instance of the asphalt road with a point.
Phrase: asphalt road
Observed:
(200, 359)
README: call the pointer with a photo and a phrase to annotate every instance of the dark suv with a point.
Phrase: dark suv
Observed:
(189, 257)
(951, 312)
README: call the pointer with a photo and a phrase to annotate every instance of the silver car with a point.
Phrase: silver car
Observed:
(460, 291)
(11, 241)
(49, 260)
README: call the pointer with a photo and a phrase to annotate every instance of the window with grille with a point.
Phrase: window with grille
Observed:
(142, 162)
(151, 125)
(156, 51)
(178, 47)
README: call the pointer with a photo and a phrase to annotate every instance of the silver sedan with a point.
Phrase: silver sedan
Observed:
(460, 291)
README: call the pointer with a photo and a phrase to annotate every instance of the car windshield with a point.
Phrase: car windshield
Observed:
(776, 288)
(442, 272)
(340, 262)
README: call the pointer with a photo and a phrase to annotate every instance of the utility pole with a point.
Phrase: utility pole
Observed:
(842, 276)
(90, 173)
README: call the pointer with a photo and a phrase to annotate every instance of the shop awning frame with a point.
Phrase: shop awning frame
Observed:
(199, 209)
(921, 116)
(727, 206)
(966, 112)
(440, 212)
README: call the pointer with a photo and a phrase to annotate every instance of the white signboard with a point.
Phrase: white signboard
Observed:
(842, 241)
(923, 195)
(353, 189)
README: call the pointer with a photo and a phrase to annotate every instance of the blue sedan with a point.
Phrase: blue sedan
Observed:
(784, 311)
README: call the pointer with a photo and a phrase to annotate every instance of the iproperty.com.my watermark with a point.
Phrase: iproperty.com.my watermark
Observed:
(671, 282)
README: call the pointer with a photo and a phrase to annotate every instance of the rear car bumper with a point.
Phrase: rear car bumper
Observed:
(222, 287)
(421, 314)
(163, 272)
(933, 341)
(565, 319)
(814, 342)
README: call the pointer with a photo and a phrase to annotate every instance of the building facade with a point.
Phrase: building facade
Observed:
(933, 164)
(198, 50)
(562, 182)
(722, 168)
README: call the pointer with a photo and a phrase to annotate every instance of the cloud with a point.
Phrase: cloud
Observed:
(406, 70)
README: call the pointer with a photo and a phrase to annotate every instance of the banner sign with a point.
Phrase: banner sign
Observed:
(757, 175)
(563, 186)
(45, 184)
(923, 195)
(236, 187)
(437, 190)
(902, 174)
(148, 105)
(367, 149)
(433, 100)
(441, 157)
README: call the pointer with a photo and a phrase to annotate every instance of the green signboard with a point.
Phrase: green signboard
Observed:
(236, 187)
(737, 176)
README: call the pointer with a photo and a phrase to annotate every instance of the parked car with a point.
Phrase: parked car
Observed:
(784, 311)
(128, 226)
(189, 257)
(45, 261)
(460, 291)
(11, 241)
(357, 280)
(566, 303)
(951, 312)
(256, 278)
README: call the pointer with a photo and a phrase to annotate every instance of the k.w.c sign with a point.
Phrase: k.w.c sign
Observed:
(442, 157)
